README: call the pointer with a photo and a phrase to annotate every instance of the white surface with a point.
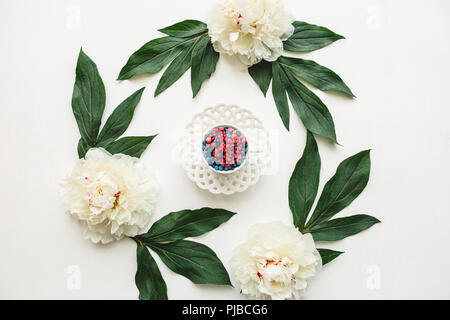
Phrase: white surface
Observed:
(395, 59)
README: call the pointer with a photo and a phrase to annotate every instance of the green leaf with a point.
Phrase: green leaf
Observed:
(345, 186)
(304, 182)
(262, 74)
(149, 280)
(204, 60)
(82, 148)
(119, 120)
(311, 110)
(186, 223)
(132, 146)
(88, 98)
(317, 75)
(279, 94)
(177, 68)
(152, 57)
(186, 28)
(328, 255)
(341, 228)
(308, 37)
(192, 260)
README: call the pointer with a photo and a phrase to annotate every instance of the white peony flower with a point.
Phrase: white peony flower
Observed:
(277, 262)
(111, 195)
(251, 29)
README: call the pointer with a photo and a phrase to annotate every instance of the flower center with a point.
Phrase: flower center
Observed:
(253, 17)
(276, 270)
(102, 193)
(234, 15)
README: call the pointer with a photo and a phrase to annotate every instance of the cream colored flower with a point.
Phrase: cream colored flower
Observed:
(111, 195)
(277, 262)
(251, 29)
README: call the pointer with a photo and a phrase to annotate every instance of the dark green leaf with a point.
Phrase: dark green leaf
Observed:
(132, 146)
(149, 280)
(82, 148)
(262, 74)
(304, 182)
(309, 37)
(193, 260)
(311, 110)
(328, 255)
(177, 68)
(186, 28)
(119, 120)
(279, 94)
(341, 228)
(152, 56)
(345, 186)
(186, 223)
(317, 75)
(88, 99)
(204, 60)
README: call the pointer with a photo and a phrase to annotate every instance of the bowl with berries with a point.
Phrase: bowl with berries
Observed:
(224, 148)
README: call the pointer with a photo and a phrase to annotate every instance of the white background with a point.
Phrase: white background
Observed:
(396, 61)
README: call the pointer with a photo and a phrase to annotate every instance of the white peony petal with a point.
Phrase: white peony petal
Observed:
(97, 153)
(276, 262)
(288, 32)
(250, 29)
(111, 195)
(234, 36)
